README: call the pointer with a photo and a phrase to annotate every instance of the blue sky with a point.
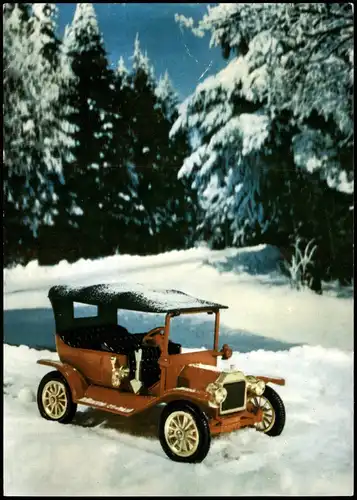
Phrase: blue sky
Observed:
(169, 47)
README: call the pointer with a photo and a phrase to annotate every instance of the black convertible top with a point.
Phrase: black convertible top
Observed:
(134, 297)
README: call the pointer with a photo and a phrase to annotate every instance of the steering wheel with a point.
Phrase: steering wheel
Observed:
(149, 337)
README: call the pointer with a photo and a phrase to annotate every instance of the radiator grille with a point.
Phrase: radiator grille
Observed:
(236, 397)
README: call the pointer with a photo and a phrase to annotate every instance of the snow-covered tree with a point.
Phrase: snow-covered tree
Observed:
(165, 200)
(35, 134)
(299, 59)
(92, 97)
(179, 204)
(167, 96)
(277, 119)
(120, 201)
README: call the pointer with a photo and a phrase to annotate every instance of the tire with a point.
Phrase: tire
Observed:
(186, 414)
(62, 412)
(278, 411)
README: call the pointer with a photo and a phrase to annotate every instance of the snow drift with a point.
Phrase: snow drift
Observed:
(102, 454)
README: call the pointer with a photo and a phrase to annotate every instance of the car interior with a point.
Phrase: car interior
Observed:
(117, 339)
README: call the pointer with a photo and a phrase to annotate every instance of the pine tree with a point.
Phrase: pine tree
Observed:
(16, 29)
(179, 213)
(144, 138)
(275, 123)
(35, 144)
(59, 241)
(165, 200)
(92, 99)
(120, 200)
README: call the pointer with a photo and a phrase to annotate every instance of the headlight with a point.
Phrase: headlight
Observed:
(255, 385)
(259, 387)
(218, 393)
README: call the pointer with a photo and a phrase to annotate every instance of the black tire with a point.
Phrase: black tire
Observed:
(70, 406)
(201, 421)
(279, 410)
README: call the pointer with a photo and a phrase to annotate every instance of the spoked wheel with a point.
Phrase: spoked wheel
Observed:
(273, 412)
(184, 432)
(54, 399)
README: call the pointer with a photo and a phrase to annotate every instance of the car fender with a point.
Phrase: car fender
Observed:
(201, 399)
(273, 380)
(76, 381)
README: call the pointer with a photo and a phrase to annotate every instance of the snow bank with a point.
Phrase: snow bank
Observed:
(102, 454)
(32, 276)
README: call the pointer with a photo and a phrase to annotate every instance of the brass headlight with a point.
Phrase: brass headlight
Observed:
(255, 385)
(221, 395)
(218, 393)
(259, 387)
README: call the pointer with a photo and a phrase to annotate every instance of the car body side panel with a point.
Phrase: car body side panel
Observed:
(94, 365)
(128, 403)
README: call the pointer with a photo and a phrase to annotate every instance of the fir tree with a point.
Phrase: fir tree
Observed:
(35, 144)
(179, 213)
(92, 99)
(120, 200)
(165, 200)
(275, 123)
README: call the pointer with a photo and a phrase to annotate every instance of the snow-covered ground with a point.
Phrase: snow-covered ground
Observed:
(103, 454)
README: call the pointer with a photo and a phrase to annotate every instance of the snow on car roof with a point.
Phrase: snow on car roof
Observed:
(135, 297)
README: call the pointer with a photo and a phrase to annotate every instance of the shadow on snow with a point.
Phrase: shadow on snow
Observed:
(35, 328)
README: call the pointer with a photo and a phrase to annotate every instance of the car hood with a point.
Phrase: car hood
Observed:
(197, 376)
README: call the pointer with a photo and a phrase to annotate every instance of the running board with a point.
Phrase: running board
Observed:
(114, 401)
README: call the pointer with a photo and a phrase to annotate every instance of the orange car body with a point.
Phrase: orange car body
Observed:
(109, 378)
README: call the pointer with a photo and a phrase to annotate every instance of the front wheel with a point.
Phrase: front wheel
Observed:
(184, 432)
(54, 399)
(273, 412)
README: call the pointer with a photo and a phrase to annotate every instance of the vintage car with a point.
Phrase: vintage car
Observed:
(103, 366)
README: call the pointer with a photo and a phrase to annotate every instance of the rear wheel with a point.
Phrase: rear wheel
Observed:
(54, 399)
(184, 432)
(273, 412)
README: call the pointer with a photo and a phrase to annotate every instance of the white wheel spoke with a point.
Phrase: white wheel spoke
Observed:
(174, 424)
(268, 417)
(191, 439)
(185, 421)
(190, 425)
